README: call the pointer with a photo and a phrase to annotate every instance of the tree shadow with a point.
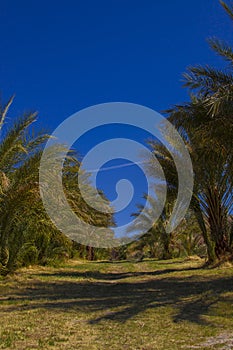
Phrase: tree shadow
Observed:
(113, 275)
(190, 297)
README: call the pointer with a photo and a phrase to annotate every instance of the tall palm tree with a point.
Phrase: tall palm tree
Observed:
(157, 232)
(100, 218)
(20, 150)
(23, 219)
(206, 125)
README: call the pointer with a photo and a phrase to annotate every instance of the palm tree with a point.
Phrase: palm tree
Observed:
(20, 151)
(24, 223)
(213, 94)
(157, 234)
(206, 125)
(102, 218)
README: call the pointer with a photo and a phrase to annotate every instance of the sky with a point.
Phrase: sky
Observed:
(59, 57)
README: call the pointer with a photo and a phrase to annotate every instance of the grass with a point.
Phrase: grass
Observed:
(150, 305)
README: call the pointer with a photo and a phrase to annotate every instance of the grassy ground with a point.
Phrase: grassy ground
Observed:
(149, 305)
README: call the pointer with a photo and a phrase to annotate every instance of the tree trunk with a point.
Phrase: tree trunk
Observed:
(166, 246)
(90, 253)
(208, 242)
(218, 223)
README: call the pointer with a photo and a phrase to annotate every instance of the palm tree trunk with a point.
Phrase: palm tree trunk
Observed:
(208, 242)
(166, 244)
(218, 223)
(90, 253)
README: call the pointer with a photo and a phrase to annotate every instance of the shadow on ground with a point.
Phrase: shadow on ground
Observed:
(97, 275)
(190, 297)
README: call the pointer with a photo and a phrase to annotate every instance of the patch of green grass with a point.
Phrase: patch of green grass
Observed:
(149, 305)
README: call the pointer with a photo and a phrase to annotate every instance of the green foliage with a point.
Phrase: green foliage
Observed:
(27, 235)
(189, 237)
(27, 255)
(206, 126)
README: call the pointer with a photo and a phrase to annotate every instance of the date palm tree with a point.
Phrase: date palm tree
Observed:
(206, 125)
(20, 151)
(23, 219)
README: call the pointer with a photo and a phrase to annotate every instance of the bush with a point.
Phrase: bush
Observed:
(28, 255)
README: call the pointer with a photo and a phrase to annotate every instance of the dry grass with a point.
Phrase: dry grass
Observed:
(149, 305)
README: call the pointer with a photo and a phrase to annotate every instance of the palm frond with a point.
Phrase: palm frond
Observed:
(4, 110)
(227, 8)
(12, 145)
(221, 48)
(206, 79)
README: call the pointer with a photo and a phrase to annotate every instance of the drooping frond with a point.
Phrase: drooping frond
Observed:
(222, 49)
(206, 79)
(4, 110)
(227, 8)
(12, 146)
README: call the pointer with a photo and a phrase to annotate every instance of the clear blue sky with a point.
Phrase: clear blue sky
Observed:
(61, 56)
